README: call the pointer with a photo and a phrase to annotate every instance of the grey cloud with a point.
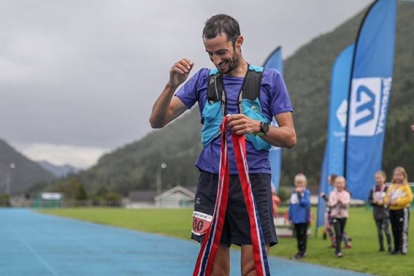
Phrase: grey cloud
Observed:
(87, 72)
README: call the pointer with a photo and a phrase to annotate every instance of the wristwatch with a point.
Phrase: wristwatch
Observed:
(264, 129)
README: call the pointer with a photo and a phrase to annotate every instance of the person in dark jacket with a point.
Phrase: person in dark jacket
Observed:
(380, 210)
(299, 213)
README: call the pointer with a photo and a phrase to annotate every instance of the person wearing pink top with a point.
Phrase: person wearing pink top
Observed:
(339, 200)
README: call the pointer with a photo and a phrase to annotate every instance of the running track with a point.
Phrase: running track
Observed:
(33, 244)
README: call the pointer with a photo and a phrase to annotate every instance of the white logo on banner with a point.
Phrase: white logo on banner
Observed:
(386, 89)
(365, 106)
(341, 113)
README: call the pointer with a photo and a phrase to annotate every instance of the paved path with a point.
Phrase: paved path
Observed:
(33, 244)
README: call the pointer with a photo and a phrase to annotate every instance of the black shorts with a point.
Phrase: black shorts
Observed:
(236, 229)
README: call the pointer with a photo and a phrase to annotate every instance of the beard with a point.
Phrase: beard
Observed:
(232, 64)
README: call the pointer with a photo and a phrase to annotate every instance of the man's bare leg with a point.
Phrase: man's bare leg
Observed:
(247, 261)
(222, 262)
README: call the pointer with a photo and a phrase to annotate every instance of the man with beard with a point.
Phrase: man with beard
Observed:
(223, 91)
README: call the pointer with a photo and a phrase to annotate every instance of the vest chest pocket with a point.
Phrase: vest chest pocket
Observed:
(212, 111)
(212, 118)
(253, 110)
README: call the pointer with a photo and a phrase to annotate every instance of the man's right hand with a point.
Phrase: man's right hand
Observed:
(180, 71)
(167, 107)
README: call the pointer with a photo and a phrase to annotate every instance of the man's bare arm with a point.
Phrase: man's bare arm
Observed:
(167, 107)
(282, 136)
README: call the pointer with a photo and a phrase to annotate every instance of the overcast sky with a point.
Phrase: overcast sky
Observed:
(78, 77)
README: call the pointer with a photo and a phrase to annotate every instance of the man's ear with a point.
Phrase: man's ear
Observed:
(239, 41)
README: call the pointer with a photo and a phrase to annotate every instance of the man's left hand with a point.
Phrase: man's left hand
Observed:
(241, 124)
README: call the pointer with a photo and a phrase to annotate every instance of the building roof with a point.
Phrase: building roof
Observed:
(191, 188)
(175, 189)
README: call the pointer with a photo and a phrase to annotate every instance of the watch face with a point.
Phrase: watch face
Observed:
(265, 128)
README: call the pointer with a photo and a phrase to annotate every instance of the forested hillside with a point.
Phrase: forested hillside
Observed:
(307, 75)
(18, 172)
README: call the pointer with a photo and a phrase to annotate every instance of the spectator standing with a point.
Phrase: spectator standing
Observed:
(299, 213)
(380, 210)
(328, 231)
(399, 198)
(339, 200)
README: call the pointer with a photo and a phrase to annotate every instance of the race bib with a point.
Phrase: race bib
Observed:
(379, 195)
(201, 223)
(294, 198)
(397, 195)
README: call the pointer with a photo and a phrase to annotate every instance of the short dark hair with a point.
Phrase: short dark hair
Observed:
(222, 23)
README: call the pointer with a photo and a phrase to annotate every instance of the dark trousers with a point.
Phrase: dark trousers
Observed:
(301, 236)
(339, 227)
(383, 227)
(399, 223)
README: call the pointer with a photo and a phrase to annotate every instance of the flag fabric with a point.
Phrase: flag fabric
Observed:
(275, 154)
(333, 162)
(211, 242)
(369, 94)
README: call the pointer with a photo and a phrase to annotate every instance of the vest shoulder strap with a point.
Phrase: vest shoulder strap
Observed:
(215, 91)
(252, 82)
(250, 87)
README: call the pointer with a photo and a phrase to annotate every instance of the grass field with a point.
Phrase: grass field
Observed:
(363, 256)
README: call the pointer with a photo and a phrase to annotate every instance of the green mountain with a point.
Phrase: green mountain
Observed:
(307, 75)
(19, 173)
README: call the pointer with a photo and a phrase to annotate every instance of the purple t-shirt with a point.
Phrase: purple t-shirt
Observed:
(274, 99)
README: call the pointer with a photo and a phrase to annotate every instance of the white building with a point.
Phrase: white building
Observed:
(177, 197)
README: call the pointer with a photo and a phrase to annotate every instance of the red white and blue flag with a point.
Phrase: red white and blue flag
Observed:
(211, 241)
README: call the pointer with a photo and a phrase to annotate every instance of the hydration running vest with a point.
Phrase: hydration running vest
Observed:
(249, 104)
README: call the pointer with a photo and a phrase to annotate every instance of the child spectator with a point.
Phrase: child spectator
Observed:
(299, 213)
(380, 210)
(398, 198)
(339, 200)
(328, 220)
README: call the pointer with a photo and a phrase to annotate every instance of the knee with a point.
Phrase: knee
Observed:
(220, 271)
(247, 262)
(248, 268)
(221, 265)
(249, 272)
